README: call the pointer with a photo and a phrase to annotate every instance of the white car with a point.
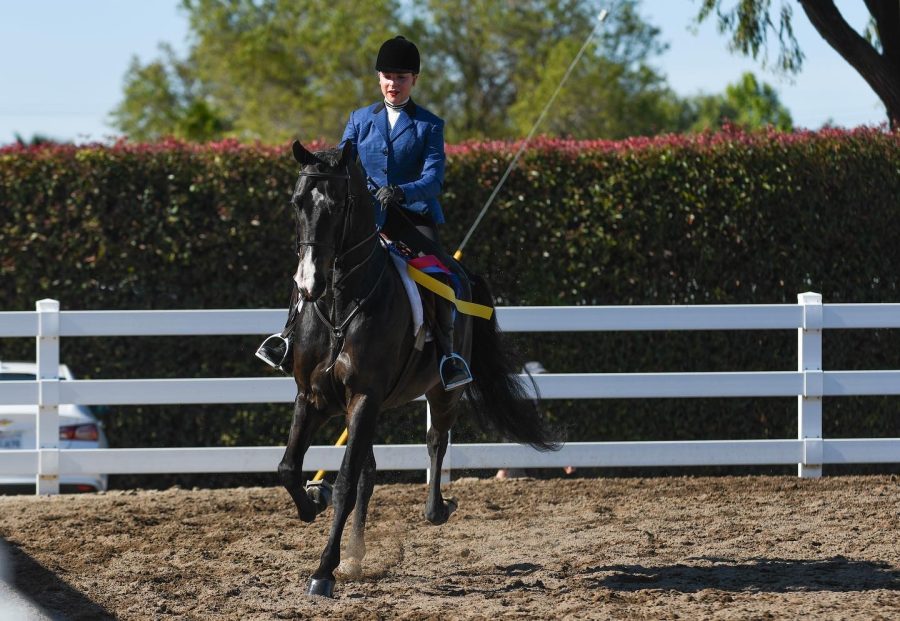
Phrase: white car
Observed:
(78, 429)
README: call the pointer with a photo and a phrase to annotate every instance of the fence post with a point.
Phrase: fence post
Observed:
(809, 404)
(47, 423)
(445, 465)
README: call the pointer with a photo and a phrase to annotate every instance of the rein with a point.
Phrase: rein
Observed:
(338, 331)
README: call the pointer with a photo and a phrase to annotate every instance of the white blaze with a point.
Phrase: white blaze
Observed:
(306, 269)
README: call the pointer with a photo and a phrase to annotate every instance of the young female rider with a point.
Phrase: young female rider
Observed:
(401, 147)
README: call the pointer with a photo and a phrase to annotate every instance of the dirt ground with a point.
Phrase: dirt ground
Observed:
(665, 548)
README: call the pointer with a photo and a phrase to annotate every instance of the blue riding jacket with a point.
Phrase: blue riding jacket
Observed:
(411, 156)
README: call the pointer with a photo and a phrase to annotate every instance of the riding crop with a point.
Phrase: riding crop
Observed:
(600, 18)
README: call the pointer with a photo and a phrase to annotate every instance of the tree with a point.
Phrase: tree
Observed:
(747, 103)
(611, 93)
(285, 68)
(877, 59)
(163, 98)
(264, 70)
(276, 69)
(497, 64)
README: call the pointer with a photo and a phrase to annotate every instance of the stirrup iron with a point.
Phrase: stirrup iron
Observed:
(272, 346)
(462, 381)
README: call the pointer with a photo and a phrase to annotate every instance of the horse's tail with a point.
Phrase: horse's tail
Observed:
(497, 394)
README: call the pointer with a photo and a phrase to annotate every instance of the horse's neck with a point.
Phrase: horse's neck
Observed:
(352, 276)
(361, 227)
(362, 221)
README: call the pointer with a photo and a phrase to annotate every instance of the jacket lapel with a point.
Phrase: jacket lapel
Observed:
(404, 121)
(381, 122)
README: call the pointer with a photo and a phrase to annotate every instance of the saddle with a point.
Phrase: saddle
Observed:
(422, 300)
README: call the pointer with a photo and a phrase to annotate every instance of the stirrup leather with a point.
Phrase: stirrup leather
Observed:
(460, 382)
(273, 343)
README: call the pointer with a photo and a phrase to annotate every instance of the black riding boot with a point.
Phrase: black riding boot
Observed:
(420, 234)
(454, 370)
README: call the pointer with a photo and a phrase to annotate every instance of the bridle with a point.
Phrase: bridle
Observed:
(337, 331)
(351, 202)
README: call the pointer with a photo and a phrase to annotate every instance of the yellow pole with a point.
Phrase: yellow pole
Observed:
(340, 442)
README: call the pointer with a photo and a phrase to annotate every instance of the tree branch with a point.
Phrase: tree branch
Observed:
(875, 69)
(887, 20)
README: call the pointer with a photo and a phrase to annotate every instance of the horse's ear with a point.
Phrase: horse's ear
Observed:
(302, 155)
(346, 153)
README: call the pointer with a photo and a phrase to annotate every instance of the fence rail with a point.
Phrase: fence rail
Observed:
(810, 383)
(551, 386)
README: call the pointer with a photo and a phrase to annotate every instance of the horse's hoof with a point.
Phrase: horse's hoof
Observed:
(322, 587)
(452, 506)
(349, 568)
(320, 492)
(306, 509)
(440, 516)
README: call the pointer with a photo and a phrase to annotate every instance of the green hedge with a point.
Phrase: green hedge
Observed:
(724, 218)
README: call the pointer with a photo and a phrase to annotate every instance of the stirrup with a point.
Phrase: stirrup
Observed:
(272, 345)
(462, 381)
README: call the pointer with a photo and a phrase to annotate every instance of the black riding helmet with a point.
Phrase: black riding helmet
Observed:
(398, 55)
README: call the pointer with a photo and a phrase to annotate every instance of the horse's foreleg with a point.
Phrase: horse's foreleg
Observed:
(436, 510)
(351, 563)
(362, 414)
(304, 424)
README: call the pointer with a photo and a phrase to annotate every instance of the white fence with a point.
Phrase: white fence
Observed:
(809, 384)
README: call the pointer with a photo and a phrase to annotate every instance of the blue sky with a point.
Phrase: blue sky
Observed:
(62, 63)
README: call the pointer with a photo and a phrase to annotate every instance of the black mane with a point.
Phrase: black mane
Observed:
(332, 157)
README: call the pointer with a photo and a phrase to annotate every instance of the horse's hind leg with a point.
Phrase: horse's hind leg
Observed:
(442, 418)
(351, 563)
(363, 414)
(304, 424)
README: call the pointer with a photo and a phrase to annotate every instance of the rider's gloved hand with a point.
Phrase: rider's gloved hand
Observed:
(390, 195)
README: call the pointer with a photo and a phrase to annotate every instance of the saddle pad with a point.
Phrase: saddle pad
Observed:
(415, 300)
(417, 269)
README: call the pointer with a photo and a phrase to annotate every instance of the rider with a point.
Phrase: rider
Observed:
(401, 147)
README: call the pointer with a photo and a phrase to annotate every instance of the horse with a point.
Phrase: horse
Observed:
(354, 354)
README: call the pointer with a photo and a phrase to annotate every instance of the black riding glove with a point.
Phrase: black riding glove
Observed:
(390, 195)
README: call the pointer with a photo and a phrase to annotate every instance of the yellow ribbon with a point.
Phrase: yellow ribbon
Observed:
(439, 288)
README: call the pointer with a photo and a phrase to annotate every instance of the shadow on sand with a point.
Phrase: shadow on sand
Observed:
(762, 575)
(53, 597)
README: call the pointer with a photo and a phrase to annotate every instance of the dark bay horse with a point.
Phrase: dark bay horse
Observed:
(354, 355)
